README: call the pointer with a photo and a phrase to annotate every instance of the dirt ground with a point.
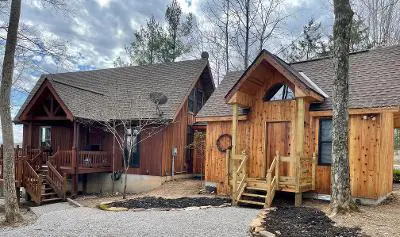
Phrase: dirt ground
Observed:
(171, 189)
(382, 220)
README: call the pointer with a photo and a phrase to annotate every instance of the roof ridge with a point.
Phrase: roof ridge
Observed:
(133, 66)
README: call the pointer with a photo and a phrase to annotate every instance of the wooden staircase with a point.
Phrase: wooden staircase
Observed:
(48, 193)
(261, 191)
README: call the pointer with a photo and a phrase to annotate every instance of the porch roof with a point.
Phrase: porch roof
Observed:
(124, 93)
(374, 81)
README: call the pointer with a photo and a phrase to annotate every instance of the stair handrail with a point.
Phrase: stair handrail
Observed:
(272, 181)
(241, 173)
(32, 182)
(56, 180)
(36, 161)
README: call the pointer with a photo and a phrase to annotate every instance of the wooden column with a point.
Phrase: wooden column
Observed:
(299, 146)
(29, 142)
(75, 160)
(233, 156)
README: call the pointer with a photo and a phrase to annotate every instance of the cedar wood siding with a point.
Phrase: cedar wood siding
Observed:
(370, 149)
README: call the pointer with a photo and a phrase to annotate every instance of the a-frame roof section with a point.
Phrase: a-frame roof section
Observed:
(45, 86)
(306, 88)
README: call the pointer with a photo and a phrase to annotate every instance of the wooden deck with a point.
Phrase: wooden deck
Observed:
(44, 177)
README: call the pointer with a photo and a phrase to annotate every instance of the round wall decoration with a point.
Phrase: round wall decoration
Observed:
(224, 142)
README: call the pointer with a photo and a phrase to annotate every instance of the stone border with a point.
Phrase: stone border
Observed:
(104, 206)
(256, 228)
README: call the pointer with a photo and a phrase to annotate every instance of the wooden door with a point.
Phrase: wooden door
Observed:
(277, 139)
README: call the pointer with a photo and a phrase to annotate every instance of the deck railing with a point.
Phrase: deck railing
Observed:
(56, 180)
(61, 159)
(32, 182)
(94, 159)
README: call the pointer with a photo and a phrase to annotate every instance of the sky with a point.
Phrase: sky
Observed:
(97, 30)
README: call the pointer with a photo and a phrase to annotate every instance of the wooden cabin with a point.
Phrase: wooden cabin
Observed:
(65, 136)
(269, 128)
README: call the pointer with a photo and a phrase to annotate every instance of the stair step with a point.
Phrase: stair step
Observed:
(256, 188)
(51, 199)
(251, 202)
(49, 194)
(253, 195)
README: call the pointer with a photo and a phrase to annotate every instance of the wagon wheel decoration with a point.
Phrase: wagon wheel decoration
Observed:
(224, 142)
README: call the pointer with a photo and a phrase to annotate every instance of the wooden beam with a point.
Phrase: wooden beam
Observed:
(327, 113)
(220, 118)
(242, 99)
(235, 111)
(299, 147)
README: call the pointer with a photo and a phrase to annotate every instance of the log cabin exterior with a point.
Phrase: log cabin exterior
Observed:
(64, 133)
(279, 118)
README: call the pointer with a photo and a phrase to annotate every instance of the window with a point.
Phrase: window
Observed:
(195, 100)
(132, 142)
(279, 92)
(45, 136)
(325, 142)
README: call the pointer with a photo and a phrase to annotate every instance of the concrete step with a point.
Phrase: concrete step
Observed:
(48, 194)
(57, 199)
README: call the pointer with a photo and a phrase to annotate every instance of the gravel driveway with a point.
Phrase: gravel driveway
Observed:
(84, 221)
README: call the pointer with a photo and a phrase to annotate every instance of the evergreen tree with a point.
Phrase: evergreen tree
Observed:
(178, 30)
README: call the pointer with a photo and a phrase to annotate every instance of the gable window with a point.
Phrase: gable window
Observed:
(279, 92)
(196, 100)
(45, 136)
(132, 142)
(325, 141)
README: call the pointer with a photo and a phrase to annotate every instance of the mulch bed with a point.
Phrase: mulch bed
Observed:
(305, 221)
(159, 202)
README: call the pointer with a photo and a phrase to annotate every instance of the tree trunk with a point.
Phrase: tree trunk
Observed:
(341, 200)
(246, 49)
(227, 36)
(11, 203)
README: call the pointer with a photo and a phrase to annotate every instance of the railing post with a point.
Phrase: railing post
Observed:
(227, 160)
(313, 169)
(277, 161)
(75, 171)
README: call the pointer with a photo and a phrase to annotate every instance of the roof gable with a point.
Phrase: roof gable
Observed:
(124, 93)
(303, 87)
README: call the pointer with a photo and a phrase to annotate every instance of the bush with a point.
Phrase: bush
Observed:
(396, 176)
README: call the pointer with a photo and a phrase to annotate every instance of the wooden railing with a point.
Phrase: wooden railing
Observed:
(272, 180)
(32, 182)
(56, 180)
(94, 159)
(61, 159)
(239, 175)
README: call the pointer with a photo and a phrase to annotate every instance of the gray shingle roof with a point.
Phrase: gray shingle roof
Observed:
(374, 81)
(124, 92)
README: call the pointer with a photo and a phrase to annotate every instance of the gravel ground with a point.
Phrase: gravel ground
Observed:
(83, 221)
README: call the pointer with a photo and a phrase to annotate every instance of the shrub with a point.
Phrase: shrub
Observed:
(396, 176)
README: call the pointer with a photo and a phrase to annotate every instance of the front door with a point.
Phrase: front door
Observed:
(277, 139)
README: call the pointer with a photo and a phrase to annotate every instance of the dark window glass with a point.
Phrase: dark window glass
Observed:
(325, 141)
(132, 141)
(191, 101)
(199, 100)
(279, 92)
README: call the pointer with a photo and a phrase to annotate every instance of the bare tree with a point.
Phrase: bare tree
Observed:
(341, 200)
(270, 17)
(11, 203)
(382, 18)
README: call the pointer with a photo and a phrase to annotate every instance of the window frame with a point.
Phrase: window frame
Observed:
(41, 128)
(134, 161)
(274, 89)
(320, 142)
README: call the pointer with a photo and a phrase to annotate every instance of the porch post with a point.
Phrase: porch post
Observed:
(75, 160)
(29, 142)
(233, 152)
(299, 147)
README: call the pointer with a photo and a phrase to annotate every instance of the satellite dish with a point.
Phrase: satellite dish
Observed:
(158, 98)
